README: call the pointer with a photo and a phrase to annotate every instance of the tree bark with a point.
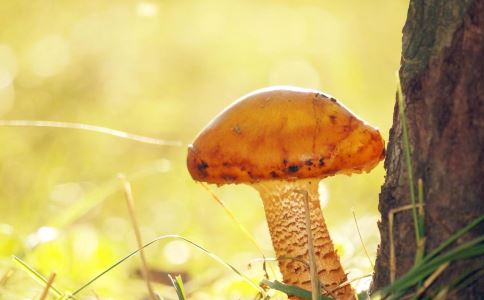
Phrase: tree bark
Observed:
(442, 78)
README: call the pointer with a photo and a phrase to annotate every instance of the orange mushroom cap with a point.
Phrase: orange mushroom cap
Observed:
(283, 133)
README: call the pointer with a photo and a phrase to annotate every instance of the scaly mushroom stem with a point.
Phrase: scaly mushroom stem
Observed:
(284, 205)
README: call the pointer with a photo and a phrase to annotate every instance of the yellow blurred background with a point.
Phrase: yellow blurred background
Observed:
(163, 69)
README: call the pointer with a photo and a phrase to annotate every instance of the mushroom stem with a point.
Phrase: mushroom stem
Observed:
(284, 205)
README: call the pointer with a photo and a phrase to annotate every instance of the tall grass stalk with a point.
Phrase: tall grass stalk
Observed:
(130, 202)
(408, 160)
(45, 292)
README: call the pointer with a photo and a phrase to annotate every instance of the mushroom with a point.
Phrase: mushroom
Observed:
(282, 141)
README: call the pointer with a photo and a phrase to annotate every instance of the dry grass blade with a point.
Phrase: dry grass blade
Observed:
(88, 127)
(241, 227)
(432, 278)
(391, 215)
(6, 276)
(45, 292)
(36, 275)
(361, 240)
(144, 265)
(95, 295)
(313, 270)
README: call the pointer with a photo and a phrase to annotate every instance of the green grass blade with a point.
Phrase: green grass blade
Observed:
(178, 284)
(465, 279)
(420, 272)
(420, 253)
(172, 236)
(36, 275)
(292, 290)
(408, 160)
(454, 237)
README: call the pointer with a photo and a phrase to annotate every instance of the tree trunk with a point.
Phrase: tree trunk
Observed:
(442, 77)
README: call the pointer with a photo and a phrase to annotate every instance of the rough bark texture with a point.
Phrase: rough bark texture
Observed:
(442, 77)
(284, 205)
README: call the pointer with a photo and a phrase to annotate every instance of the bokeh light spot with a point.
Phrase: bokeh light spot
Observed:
(42, 235)
(6, 229)
(8, 71)
(147, 9)
(50, 56)
(362, 284)
(177, 252)
(5, 78)
(8, 63)
(7, 97)
(85, 242)
(67, 192)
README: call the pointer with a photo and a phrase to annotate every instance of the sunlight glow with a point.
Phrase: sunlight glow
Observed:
(67, 192)
(343, 246)
(8, 61)
(298, 72)
(85, 242)
(147, 9)
(323, 194)
(42, 235)
(177, 252)
(5, 78)
(8, 71)
(6, 229)
(7, 97)
(362, 284)
(50, 56)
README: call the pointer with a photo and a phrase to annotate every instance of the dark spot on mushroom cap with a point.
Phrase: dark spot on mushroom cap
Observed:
(202, 165)
(333, 119)
(274, 174)
(293, 168)
(332, 99)
(236, 129)
(321, 162)
(308, 162)
(285, 162)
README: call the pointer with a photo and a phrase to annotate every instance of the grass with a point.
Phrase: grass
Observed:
(92, 128)
(178, 285)
(426, 267)
(408, 160)
(134, 221)
(416, 283)
(49, 283)
(66, 295)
